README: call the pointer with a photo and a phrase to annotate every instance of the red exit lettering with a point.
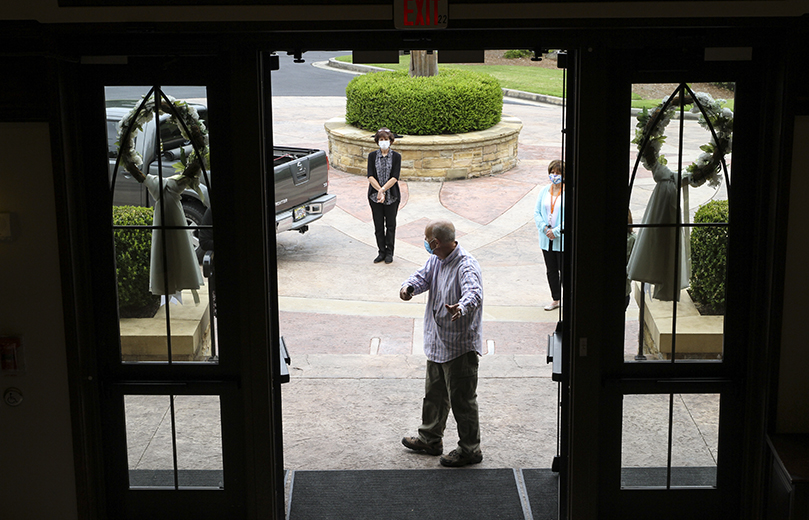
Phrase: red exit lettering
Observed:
(407, 12)
(422, 12)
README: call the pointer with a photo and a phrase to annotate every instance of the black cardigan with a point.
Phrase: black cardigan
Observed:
(395, 169)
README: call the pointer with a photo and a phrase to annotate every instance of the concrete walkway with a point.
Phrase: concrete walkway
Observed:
(357, 360)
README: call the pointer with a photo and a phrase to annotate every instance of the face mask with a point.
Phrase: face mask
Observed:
(427, 247)
(384, 144)
(555, 178)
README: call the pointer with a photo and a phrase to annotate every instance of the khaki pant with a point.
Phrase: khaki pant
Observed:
(452, 385)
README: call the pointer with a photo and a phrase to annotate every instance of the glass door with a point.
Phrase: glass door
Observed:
(172, 346)
(672, 423)
(162, 192)
(676, 277)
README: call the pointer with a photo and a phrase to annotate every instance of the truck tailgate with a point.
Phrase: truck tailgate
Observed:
(301, 176)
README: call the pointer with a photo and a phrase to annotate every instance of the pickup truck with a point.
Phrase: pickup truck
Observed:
(301, 174)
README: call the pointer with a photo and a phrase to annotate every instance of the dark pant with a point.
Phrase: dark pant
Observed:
(385, 226)
(452, 385)
(553, 267)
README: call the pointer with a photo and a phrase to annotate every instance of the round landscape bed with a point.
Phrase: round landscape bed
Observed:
(430, 157)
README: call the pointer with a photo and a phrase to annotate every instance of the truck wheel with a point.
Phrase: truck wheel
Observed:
(193, 217)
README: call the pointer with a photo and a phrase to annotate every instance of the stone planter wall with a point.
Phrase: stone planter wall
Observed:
(144, 339)
(698, 337)
(434, 157)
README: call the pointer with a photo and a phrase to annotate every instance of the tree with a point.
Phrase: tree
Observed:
(423, 64)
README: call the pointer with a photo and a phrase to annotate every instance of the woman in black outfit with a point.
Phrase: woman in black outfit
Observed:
(384, 166)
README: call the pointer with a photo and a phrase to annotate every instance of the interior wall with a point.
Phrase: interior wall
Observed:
(37, 451)
(793, 382)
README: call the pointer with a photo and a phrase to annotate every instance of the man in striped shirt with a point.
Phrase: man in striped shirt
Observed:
(452, 343)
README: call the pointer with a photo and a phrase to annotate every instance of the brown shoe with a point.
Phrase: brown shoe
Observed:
(416, 444)
(456, 459)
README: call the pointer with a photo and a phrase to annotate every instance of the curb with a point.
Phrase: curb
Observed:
(334, 63)
(689, 116)
(530, 96)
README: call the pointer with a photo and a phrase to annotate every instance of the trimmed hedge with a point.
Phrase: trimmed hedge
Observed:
(731, 86)
(517, 53)
(453, 102)
(132, 253)
(709, 257)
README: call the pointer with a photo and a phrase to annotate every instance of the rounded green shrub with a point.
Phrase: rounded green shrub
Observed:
(132, 253)
(517, 53)
(731, 86)
(453, 102)
(709, 258)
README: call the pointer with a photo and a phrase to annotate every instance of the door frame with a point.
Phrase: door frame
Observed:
(599, 376)
(247, 377)
(588, 405)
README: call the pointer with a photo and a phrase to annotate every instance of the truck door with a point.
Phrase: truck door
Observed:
(127, 191)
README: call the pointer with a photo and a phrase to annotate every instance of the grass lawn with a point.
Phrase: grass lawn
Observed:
(537, 80)
(529, 79)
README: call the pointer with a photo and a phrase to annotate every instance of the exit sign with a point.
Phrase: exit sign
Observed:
(420, 14)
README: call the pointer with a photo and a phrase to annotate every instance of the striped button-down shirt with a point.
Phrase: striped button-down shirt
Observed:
(456, 279)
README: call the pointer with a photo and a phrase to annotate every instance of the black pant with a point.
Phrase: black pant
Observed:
(385, 226)
(553, 268)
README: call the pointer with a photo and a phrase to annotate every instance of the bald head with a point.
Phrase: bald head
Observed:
(443, 230)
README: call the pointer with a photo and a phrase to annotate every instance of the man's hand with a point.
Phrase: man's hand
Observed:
(406, 293)
(454, 310)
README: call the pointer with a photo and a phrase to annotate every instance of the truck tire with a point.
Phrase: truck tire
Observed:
(194, 210)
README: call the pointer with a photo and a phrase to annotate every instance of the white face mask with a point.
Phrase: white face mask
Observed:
(384, 144)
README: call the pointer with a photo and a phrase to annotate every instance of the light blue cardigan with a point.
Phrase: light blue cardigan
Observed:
(541, 220)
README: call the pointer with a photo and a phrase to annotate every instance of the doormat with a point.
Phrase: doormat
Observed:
(185, 478)
(542, 488)
(441, 494)
(698, 476)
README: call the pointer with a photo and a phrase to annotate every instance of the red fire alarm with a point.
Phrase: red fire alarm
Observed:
(11, 360)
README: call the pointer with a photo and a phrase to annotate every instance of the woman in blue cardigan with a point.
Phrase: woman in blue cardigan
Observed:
(548, 216)
(384, 166)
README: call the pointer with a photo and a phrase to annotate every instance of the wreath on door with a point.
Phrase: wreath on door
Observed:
(173, 264)
(185, 117)
(650, 134)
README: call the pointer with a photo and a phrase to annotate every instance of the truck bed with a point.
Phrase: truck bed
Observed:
(301, 175)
